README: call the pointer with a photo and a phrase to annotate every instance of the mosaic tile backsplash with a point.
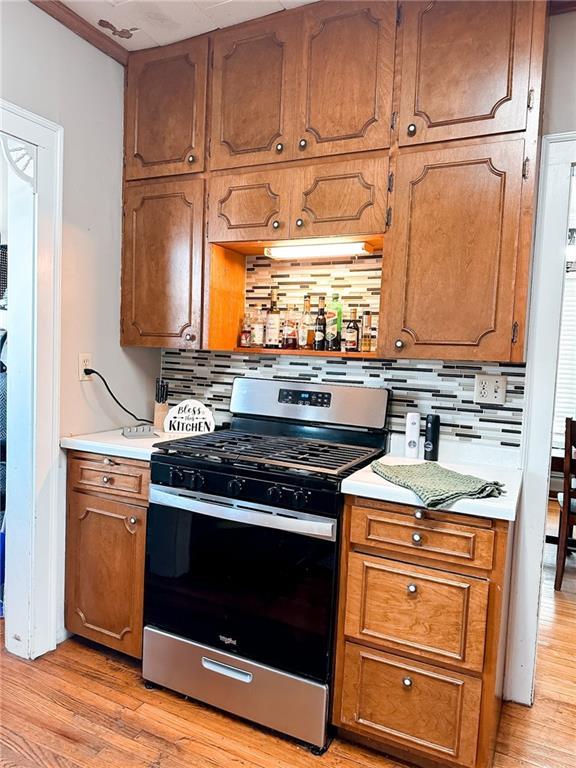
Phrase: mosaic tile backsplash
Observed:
(445, 388)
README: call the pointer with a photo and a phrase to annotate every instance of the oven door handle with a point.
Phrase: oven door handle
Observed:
(318, 529)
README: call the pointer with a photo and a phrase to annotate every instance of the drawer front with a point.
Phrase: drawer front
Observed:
(417, 610)
(110, 476)
(426, 538)
(413, 705)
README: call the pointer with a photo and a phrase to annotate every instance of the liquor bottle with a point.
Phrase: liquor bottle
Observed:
(258, 328)
(334, 324)
(290, 329)
(273, 322)
(306, 327)
(320, 326)
(366, 339)
(352, 333)
(246, 332)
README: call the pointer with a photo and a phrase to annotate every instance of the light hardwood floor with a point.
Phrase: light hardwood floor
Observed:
(80, 707)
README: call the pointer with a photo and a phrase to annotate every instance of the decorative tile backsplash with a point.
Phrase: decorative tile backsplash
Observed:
(445, 388)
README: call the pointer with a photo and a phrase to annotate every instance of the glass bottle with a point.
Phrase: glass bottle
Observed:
(273, 322)
(246, 332)
(352, 333)
(334, 324)
(366, 339)
(290, 329)
(259, 327)
(306, 327)
(320, 326)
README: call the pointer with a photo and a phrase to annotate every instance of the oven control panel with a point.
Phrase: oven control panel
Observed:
(305, 397)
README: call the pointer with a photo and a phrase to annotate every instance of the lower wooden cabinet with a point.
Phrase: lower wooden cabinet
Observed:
(105, 550)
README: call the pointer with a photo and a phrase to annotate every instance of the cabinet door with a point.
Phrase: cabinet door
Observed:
(249, 206)
(162, 264)
(342, 198)
(449, 276)
(464, 69)
(105, 546)
(346, 85)
(254, 78)
(166, 110)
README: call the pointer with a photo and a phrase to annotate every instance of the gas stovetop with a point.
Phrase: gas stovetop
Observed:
(236, 447)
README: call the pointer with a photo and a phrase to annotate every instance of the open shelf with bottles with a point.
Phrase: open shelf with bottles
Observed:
(307, 352)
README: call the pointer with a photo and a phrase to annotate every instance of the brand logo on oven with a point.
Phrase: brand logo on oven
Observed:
(227, 640)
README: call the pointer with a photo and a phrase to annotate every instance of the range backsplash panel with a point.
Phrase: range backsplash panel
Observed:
(445, 388)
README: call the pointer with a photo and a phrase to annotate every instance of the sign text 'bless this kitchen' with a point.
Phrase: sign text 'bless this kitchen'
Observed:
(189, 416)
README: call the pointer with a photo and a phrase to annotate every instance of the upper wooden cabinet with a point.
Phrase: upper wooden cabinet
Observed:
(162, 264)
(347, 65)
(464, 69)
(255, 74)
(450, 266)
(166, 110)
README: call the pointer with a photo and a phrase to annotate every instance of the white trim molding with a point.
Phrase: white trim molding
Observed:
(558, 156)
(34, 515)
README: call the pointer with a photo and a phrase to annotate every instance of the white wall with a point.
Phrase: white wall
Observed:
(560, 84)
(51, 71)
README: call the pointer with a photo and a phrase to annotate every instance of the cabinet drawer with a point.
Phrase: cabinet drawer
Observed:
(110, 476)
(413, 705)
(417, 610)
(429, 539)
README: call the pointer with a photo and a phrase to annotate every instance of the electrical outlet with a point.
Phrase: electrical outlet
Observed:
(490, 389)
(84, 361)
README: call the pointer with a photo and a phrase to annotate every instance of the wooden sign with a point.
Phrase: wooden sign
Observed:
(189, 417)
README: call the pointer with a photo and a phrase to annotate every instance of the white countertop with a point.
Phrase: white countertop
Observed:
(368, 484)
(114, 444)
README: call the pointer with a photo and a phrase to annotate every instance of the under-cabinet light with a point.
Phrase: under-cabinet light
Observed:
(319, 251)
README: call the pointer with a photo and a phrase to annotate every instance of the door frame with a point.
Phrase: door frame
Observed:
(558, 155)
(34, 518)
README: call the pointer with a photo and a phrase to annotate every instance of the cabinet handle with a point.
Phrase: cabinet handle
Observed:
(419, 514)
(189, 337)
(299, 223)
(411, 130)
(399, 344)
(407, 682)
(106, 480)
(191, 159)
(275, 224)
(302, 144)
(108, 460)
(133, 521)
(412, 589)
(279, 147)
(416, 539)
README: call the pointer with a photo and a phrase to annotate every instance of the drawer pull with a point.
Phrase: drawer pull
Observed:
(106, 480)
(417, 539)
(133, 521)
(407, 682)
(419, 514)
(412, 589)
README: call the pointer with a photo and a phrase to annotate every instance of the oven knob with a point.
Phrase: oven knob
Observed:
(235, 486)
(195, 481)
(274, 493)
(176, 477)
(300, 499)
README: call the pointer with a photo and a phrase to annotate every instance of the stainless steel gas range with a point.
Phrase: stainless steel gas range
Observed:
(241, 553)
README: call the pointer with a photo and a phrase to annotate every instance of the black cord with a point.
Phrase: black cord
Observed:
(90, 371)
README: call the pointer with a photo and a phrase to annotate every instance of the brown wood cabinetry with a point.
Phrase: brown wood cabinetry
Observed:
(166, 110)
(449, 288)
(105, 547)
(162, 264)
(464, 70)
(420, 632)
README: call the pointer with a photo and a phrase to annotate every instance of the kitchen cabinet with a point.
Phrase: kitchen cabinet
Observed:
(449, 280)
(463, 73)
(162, 264)
(310, 201)
(105, 549)
(420, 632)
(165, 122)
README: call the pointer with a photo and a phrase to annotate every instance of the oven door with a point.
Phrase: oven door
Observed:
(249, 579)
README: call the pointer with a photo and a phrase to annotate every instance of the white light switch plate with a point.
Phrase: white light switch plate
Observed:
(490, 389)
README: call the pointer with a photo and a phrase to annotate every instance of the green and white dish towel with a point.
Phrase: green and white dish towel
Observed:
(437, 486)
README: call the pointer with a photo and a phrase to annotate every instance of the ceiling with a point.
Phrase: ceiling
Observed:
(147, 23)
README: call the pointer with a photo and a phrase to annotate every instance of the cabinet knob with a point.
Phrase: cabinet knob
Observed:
(191, 159)
(416, 539)
(133, 521)
(407, 682)
(279, 147)
(299, 223)
(189, 337)
(108, 460)
(302, 144)
(412, 589)
(275, 224)
(106, 480)
(399, 344)
(419, 514)
(411, 130)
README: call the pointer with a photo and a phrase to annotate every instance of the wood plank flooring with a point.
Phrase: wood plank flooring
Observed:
(81, 707)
